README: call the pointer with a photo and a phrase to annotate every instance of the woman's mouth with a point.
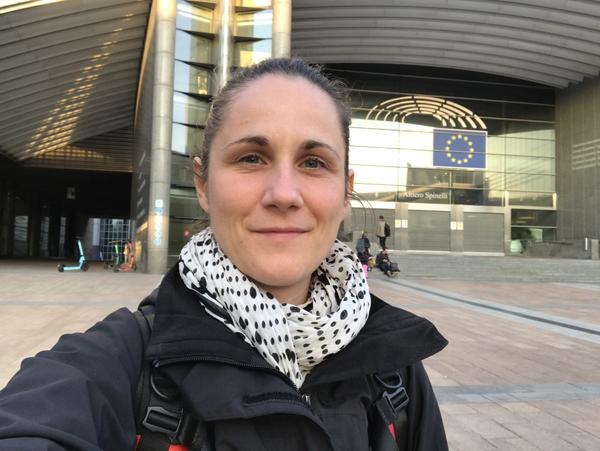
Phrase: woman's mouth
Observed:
(281, 233)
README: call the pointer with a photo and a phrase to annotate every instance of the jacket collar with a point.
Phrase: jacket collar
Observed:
(392, 338)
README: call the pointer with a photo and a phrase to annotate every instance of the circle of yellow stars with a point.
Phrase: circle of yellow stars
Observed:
(449, 152)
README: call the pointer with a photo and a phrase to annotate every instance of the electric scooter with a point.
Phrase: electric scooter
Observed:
(82, 264)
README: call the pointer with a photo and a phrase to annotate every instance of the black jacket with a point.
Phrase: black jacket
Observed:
(80, 394)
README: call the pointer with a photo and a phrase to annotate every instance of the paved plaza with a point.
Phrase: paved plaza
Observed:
(522, 371)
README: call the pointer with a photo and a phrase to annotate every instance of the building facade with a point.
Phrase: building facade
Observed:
(492, 196)
(463, 143)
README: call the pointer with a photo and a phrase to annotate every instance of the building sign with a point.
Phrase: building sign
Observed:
(459, 148)
(433, 196)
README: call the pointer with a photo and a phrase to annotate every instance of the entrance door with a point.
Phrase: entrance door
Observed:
(484, 232)
(429, 230)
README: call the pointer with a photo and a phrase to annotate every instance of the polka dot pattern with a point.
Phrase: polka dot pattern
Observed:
(291, 338)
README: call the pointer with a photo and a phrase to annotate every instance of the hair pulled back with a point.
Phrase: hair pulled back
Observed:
(293, 67)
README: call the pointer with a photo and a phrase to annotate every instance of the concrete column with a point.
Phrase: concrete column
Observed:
(54, 229)
(401, 227)
(160, 147)
(224, 18)
(7, 221)
(282, 28)
(70, 249)
(507, 226)
(595, 249)
(457, 232)
(33, 227)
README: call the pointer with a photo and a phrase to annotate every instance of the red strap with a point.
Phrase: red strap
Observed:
(171, 447)
(392, 430)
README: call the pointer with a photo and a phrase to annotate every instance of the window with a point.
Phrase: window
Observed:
(185, 139)
(193, 18)
(193, 49)
(189, 110)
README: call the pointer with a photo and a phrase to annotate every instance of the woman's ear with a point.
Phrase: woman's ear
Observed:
(200, 183)
(349, 185)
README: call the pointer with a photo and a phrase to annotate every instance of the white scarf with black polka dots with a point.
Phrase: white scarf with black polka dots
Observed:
(293, 339)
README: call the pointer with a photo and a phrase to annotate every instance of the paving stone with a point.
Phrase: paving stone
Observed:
(514, 444)
(483, 426)
(590, 425)
(500, 397)
(462, 440)
(543, 439)
(457, 409)
(519, 407)
(497, 413)
(584, 441)
(498, 381)
(473, 398)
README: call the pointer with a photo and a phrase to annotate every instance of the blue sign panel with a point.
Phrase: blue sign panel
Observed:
(459, 148)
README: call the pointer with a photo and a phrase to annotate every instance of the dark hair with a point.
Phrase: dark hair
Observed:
(293, 67)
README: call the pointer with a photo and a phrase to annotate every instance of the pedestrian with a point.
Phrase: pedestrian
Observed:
(127, 251)
(363, 257)
(382, 260)
(129, 261)
(363, 244)
(383, 231)
(248, 327)
(362, 251)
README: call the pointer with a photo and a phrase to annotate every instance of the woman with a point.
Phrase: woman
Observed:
(265, 331)
(362, 252)
(382, 260)
(363, 244)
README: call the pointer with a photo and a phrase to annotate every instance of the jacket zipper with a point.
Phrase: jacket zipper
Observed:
(306, 398)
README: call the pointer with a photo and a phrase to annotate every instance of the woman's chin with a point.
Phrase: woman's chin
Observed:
(278, 278)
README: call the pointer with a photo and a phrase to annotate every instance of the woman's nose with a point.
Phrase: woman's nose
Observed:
(283, 188)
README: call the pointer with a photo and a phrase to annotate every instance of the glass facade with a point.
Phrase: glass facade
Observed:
(196, 60)
(395, 162)
(253, 33)
(397, 112)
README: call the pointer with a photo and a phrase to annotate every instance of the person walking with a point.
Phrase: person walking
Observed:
(383, 231)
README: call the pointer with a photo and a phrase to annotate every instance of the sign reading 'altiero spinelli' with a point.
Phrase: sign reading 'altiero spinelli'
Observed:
(437, 196)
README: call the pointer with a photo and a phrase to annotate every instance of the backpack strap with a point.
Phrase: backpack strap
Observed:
(390, 431)
(162, 424)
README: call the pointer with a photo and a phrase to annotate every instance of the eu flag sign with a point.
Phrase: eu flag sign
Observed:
(459, 148)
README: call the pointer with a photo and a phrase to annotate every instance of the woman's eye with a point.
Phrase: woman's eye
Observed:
(313, 163)
(250, 159)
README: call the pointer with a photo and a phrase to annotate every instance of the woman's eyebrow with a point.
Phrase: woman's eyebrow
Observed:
(311, 144)
(262, 141)
(257, 139)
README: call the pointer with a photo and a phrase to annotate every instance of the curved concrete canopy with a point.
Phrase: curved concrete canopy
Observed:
(552, 42)
(68, 71)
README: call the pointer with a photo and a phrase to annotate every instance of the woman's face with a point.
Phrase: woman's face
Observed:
(276, 188)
